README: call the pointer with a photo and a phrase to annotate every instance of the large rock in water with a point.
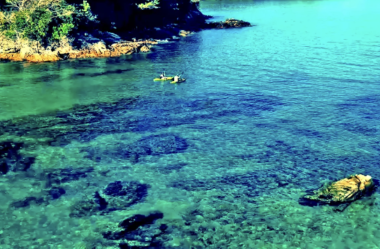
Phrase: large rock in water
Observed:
(339, 192)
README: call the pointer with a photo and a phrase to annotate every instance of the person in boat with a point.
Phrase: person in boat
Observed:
(162, 76)
(176, 78)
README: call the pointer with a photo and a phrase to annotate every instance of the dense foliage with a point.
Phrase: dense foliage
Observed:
(44, 21)
(149, 5)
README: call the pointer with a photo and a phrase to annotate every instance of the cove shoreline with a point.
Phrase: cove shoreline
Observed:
(98, 44)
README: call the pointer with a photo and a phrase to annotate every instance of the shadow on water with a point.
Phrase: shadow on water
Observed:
(366, 107)
(144, 114)
(118, 71)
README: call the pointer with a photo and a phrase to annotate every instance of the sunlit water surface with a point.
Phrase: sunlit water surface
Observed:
(266, 113)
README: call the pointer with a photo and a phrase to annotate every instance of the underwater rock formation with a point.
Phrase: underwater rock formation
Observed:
(59, 176)
(339, 192)
(161, 144)
(139, 231)
(52, 189)
(26, 202)
(116, 196)
(11, 159)
(157, 145)
(82, 122)
(44, 198)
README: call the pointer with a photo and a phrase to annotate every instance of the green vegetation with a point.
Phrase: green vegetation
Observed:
(44, 21)
(149, 5)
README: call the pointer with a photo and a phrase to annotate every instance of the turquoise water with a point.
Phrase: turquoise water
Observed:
(266, 113)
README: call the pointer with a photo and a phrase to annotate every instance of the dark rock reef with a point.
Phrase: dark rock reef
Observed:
(140, 231)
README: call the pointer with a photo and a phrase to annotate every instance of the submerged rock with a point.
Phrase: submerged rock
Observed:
(161, 144)
(340, 192)
(44, 198)
(59, 176)
(158, 145)
(120, 195)
(11, 159)
(56, 192)
(139, 231)
(115, 196)
(26, 202)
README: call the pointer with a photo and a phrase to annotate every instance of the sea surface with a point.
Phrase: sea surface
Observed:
(266, 114)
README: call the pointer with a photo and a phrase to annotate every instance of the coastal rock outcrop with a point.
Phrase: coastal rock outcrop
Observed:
(91, 39)
(228, 23)
(87, 50)
(110, 38)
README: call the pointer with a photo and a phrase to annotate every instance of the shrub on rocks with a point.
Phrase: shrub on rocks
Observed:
(46, 22)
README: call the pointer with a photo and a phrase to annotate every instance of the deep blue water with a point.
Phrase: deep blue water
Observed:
(266, 113)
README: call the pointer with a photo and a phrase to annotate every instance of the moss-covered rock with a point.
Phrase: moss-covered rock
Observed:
(343, 191)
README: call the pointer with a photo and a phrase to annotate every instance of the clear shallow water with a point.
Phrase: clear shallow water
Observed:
(267, 113)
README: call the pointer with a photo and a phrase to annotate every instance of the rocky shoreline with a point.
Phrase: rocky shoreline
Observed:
(106, 44)
(95, 51)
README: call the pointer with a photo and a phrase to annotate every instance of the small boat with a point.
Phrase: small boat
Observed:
(179, 81)
(163, 79)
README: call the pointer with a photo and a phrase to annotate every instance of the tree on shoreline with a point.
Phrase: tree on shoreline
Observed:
(43, 21)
